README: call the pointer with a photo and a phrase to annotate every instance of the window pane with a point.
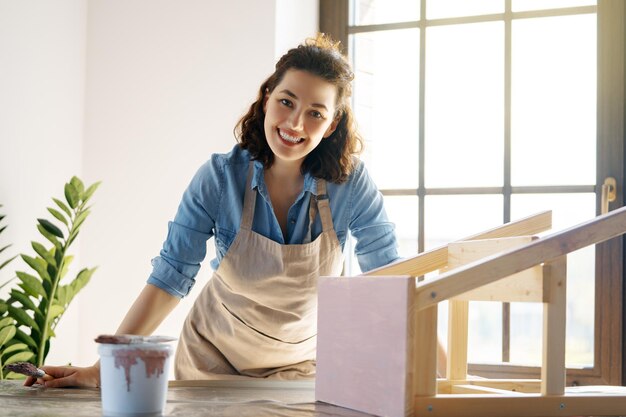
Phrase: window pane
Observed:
(437, 9)
(484, 338)
(370, 12)
(386, 105)
(553, 121)
(403, 211)
(452, 217)
(464, 105)
(526, 319)
(522, 5)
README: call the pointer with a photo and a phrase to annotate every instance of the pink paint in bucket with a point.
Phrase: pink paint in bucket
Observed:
(133, 378)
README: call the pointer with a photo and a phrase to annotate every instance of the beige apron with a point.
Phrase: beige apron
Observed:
(257, 315)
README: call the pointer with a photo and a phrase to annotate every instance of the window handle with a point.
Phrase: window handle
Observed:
(609, 194)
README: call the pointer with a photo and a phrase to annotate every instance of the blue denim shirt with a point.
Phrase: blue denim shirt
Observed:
(212, 206)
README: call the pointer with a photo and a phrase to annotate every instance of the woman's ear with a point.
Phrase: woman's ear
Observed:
(332, 127)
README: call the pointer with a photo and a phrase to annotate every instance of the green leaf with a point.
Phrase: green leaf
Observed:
(14, 376)
(66, 264)
(78, 184)
(51, 228)
(55, 310)
(63, 207)
(7, 334)
(80, 219)
(23, 337)
(4, 248)
(43, 304)
(51, 270)
(24, 299)
(43, 252)
(20, 357)
(38, 265)
(89, 192)
(6, 322)
(5, 263)
(58, 215)
(14, 347)
(61, 295)
(47, 286)
(40, 319)
(79, 282)
(58, 256)
(71, 195)
(53, 239)
(3, 307)
(22, 318)
(31, 285)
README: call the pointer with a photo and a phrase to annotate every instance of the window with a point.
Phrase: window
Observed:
(476, 113)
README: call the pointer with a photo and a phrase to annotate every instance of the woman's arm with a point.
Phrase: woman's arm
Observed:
(150, 308)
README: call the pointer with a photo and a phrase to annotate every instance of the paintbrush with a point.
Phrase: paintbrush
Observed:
(129, 339)
(28, 369)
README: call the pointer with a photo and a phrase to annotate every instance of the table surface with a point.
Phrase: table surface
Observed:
(185, 398)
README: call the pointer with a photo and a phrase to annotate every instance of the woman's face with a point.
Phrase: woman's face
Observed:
(299, 114)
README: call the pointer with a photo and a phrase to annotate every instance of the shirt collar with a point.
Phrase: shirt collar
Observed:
(258, 180)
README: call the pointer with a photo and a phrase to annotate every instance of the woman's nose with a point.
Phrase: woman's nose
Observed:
(295, 119)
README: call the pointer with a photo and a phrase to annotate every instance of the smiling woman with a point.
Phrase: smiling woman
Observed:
(297, 151)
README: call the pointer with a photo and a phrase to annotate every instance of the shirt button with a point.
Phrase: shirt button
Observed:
(292, 221)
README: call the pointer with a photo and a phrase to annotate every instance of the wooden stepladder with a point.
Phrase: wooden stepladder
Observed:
(377, 333)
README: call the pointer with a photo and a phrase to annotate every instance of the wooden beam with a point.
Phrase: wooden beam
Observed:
(425, 353)
(529, 386)
(553, 365)
(496, 267)
(438, 258)
(458, 315)
(525, 286)
(529, 405)
(477, 389)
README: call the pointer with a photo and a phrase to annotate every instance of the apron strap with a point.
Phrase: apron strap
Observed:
(249, 201)
(319, 203)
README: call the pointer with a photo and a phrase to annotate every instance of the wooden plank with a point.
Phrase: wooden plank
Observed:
(438, 258)
(518, 385)
(456, 367)
(477, 389)
(425, 354)
(529, 405)
(553, 365)
(525, 286)
(495, 267)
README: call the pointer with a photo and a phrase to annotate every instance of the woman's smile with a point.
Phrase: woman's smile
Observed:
(289, 138)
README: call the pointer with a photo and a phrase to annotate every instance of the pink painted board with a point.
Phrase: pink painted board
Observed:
(363, 343)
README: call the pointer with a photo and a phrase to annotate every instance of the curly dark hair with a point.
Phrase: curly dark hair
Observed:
(333, 159)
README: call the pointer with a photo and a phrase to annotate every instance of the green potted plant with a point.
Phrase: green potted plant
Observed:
(29, 316)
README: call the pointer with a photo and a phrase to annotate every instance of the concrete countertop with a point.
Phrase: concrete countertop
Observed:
(185, 398)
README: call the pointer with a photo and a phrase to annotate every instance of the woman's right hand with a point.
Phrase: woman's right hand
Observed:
(67, 376)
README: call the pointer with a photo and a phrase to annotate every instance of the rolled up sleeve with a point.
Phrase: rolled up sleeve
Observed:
(178, 263)
(376, 243)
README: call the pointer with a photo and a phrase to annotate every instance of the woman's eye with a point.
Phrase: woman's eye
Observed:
(317, 114)
(285, 102)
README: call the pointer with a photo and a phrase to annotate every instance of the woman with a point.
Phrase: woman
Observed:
(280, 206)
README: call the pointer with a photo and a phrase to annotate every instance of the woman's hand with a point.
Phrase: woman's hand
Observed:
(67, 376)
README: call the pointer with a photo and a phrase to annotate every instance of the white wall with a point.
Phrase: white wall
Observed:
(164, 83)
(42, 77)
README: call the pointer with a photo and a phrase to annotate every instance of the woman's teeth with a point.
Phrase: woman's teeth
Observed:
(291, 139)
